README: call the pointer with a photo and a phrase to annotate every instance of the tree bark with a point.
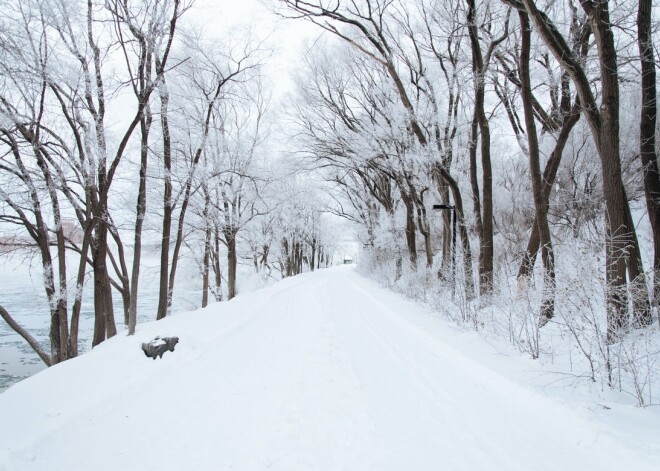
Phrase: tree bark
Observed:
(312, 259)
(624, 248)
(486, 253)
(443, 177)
(443, 190)
(425, 230)
(287, 258)
(141, 211)
(232, 262)
(474, 176)
(647, 151)
(168, 209)
(80, 283)
(104, 318)
(547, 255)
(206, 258)
(411, 242)
(216, 264)
(549, 175)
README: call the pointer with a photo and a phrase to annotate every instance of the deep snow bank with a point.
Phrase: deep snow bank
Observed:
(320, 371)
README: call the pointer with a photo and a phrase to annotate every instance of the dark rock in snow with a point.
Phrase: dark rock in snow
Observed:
(158, 346)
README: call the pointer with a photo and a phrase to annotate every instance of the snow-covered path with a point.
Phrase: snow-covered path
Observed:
(323, 371)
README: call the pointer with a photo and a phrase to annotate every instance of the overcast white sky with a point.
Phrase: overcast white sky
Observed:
(287, 38)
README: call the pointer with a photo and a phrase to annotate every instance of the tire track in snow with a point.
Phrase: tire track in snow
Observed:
(481, 419)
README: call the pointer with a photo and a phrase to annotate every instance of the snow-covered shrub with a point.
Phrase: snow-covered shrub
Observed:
(573, 345)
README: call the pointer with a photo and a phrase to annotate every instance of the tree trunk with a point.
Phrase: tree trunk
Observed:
(297, 257)
(60, 322)
(59, 329)
(623, 246)
(312, 258)
(647, 151)
(549, 175)
(163, 291)
(264, 256)
(232, 262)
(80, 284)
(474, 176)
(216, 264)
(104, 318)
(141, 211)
(425, 230)
(294, 257)
(442, 177)
(547, 255)
(121, 270)
(410, 229)
(166, 298)
(205, 268)
(446, 230)
(206, 259)
(478, 69)
(288, 269)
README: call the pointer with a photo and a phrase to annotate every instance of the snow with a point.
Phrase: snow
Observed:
(322, 371)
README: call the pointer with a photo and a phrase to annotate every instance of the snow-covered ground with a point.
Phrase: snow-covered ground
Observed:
(24, 297)
(323, 371)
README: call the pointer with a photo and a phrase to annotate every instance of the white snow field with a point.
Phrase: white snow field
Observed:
(323, 371)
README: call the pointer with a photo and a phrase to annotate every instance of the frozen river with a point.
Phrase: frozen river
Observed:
(23, 296)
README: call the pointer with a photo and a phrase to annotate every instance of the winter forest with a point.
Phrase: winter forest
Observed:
(496, 161)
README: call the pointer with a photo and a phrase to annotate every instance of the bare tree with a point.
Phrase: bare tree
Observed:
(34, 182)
(366, 26)
(209, 77)
(647, 151)
(560, 119)
(622, 247)
(238, 184)
(86, 49)
(540, 204)
(483, 206)
(152, 27)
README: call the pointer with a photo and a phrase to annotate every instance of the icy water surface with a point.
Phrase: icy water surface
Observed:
(21, 298)
(22, 294)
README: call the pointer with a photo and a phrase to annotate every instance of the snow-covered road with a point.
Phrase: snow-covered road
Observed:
(324, 371)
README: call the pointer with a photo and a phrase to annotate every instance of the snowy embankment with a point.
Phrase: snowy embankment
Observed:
(321, 371)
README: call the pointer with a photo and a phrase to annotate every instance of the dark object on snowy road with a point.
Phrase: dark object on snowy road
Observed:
(158, 346)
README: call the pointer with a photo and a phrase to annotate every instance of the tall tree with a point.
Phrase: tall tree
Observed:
(483, 205)
(207, 78)
(647, 151)
(34, 186)
(366, 27)
(541, 210)
(152, 28)
(622, 248)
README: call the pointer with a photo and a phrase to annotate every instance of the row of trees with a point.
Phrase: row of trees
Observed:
(397, 111)
(113, 105)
